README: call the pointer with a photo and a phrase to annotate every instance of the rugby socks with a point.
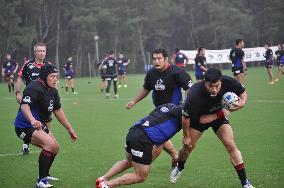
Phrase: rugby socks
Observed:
(13, 86)
(181, 165)
(108, 86)
(50, 164)
(9, 87)
(66, 89)
(240, 168)
(44, 161)
(73, 90)
(115, 87)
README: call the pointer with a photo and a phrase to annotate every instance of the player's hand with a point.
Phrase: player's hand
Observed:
(130, 104)
(226, 112)
(73, 135)
(19, 97)
(36, 124)
(237, 105)
(186, 141)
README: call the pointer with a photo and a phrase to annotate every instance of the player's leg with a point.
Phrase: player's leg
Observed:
(72, 85)
(139, 176)
(184, 153)
(108, 87)
(240, 77)
(66, 85)
(270, 75)
(12, 82)
(119, 80)
(124, 80)
(115, 87)
(171, 150)
(225, 134)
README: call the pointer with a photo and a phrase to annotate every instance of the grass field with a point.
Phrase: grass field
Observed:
(102, 125)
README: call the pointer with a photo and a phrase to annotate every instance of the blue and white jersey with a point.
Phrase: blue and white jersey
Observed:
(162, 123)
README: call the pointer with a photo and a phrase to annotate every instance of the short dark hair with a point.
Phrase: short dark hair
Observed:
(110, 52)
(177, 50)
(238, 41)
(213, 75)
(39, 44)
(160, 51)
(200, 49)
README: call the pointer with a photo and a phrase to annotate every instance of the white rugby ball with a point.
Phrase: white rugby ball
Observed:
(228, 100)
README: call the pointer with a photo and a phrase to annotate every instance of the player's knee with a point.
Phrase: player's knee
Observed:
(231, 146)
(141, 178)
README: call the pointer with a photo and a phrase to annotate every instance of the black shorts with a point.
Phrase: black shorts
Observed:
(199, 77)
(113, 77)
(269, 66)
(237, 70)
(121, 72)
(26, 133)
(103, 77)
(214, 125)
(139, 146)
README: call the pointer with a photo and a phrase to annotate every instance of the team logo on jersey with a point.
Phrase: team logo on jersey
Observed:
(190, 83)
(35, 74)
(9, 64)
(27, 99)
(180, 56)
(185, 113)
(160, 85)
(31, 66)
(50, 107)
(165, 109)
(146, 124)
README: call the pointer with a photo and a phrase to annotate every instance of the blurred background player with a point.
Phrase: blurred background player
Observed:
(239, 66)
(110, 65)
(102, 70)
(200, 64)
(10, 67)
(28, 72)
(269, 63)
(165, 81)
(40, 100)
(122, 63)
(204, 98)
(179, 59)
(69, 75)
(280, 61)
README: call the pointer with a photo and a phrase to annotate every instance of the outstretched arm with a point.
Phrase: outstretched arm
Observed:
(59, 114)
(141, 95)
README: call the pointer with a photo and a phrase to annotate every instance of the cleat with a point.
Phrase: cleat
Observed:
(125, 86)
(107, 95)
(271, 83)
(119, 86)
(43, 183)
(175, 174)
(49, 177)
(66, 93)
(75, 93)
(276, 80)
(116, 96)
(26, 149)
(248, 185)
(101, 183)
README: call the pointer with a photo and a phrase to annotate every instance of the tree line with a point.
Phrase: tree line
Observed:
(133, 27)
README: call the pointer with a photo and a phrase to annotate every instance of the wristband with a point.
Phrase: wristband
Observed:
(220, 114)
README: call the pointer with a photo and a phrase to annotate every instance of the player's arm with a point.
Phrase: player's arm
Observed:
(243, 97)
(19, 83)
(208, 118)
(25, 108)
(16, 68)
(60, 116)
(141, 95)
(2, 72)
(173, 58)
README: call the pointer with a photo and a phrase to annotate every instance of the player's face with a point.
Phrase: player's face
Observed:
(213, 88)
(266, 47)
(159, 61)
(279, 47)
(8, 57)
(40, 52)
(52, 80)
(202, 52)
(242, 44)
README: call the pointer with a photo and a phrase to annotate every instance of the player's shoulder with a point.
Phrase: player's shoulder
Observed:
(196, 90)
(226, 78)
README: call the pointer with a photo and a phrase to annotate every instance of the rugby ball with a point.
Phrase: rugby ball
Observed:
(228, 100)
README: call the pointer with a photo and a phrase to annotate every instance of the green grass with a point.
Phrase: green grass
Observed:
(102, 125)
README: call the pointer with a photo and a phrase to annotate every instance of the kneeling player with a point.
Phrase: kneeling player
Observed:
(144, 143)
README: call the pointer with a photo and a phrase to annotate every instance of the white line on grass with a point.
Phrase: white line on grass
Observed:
(99, 99)
(15, 154)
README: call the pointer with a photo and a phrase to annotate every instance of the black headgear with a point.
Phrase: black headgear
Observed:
(46, 70)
